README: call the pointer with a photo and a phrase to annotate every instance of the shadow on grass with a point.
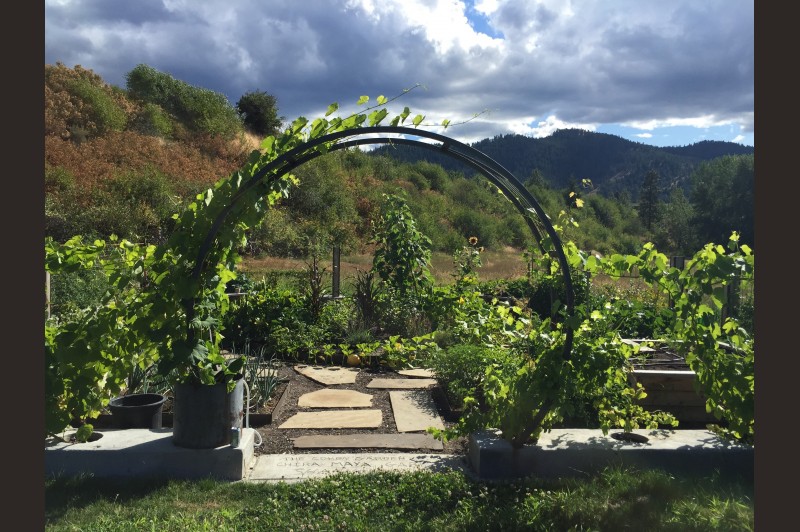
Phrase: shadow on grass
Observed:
(64, 493)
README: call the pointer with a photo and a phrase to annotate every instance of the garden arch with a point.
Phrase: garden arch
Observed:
(536, 219)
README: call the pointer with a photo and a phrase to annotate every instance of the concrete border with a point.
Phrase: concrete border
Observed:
(148, 453)
(574, 452)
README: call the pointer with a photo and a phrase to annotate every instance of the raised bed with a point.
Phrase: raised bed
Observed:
(673, 391)
(670, 386)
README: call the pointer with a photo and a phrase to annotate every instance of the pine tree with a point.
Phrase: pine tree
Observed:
(649, 201)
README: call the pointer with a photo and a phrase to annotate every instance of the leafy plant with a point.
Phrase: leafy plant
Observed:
(367, 294)
(461, 369)
(90, 354)
(402, 254)
(467, 261)
(261, 376)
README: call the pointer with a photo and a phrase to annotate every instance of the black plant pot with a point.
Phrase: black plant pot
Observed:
(203, 415)
(137, 411)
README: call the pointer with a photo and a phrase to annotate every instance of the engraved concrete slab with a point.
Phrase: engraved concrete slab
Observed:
(296, 467)
(414, 410)
(418, 373)
(328, 375)
(401, 384)
(368, 441)
(334, 419)
(332, 398)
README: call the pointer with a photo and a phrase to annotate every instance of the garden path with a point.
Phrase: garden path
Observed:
(329, 411)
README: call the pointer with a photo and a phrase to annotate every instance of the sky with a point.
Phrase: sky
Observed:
(662, 73)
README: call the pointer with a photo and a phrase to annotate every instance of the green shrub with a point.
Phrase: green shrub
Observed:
(259, 112)
(153, 120)
(73, 291)
(549, 293)
(264, 318)
(202, 110)
(101, 108)
(134, 205)
(336, 321)
(635, 311)
(461, 369)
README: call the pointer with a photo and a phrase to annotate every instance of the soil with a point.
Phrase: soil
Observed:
(661, 359)
(283, 405)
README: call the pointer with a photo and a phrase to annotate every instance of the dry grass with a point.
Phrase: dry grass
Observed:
(504, 264)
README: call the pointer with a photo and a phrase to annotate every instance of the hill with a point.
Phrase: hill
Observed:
(612, 163)
(123, 161)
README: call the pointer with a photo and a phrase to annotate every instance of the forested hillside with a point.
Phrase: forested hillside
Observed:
(123, 160)
(613, 164)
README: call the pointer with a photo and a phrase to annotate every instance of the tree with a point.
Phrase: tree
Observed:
(722, 197)
(259, 112)
(675, 231)
(649, 200)
(536, 180)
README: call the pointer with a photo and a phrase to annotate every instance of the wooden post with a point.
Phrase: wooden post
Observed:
(676, 262)
(732, 298)
(47, 291)
(335, 275)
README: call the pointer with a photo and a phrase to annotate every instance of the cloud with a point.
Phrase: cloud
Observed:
(531, 64)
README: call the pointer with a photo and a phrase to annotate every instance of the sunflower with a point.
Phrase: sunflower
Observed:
(473, 240)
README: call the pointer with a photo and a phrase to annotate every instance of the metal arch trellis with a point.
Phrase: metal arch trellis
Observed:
(513, 190)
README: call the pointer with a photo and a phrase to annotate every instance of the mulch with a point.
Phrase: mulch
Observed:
(283, 405)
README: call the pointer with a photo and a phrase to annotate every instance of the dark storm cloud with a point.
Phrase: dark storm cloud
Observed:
(584, 62)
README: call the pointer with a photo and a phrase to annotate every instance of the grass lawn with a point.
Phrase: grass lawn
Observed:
(617, 499)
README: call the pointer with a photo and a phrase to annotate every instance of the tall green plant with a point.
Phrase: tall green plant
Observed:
(401, 260)
(402, 257)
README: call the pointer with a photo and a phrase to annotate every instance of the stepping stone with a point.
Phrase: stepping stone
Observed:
(328, 375)
(414, 410)
(334, 419)
(331, 398)
(418, 372)
(401, 384)
(369, 441)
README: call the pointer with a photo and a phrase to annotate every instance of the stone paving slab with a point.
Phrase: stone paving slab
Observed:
(334, 419)
(333, 398)
(401, 384)
(417, 373)
(368, 441)
(329, 375)
(297, 467)
(414, 410)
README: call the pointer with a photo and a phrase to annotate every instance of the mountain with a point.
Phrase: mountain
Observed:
(612, 163)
